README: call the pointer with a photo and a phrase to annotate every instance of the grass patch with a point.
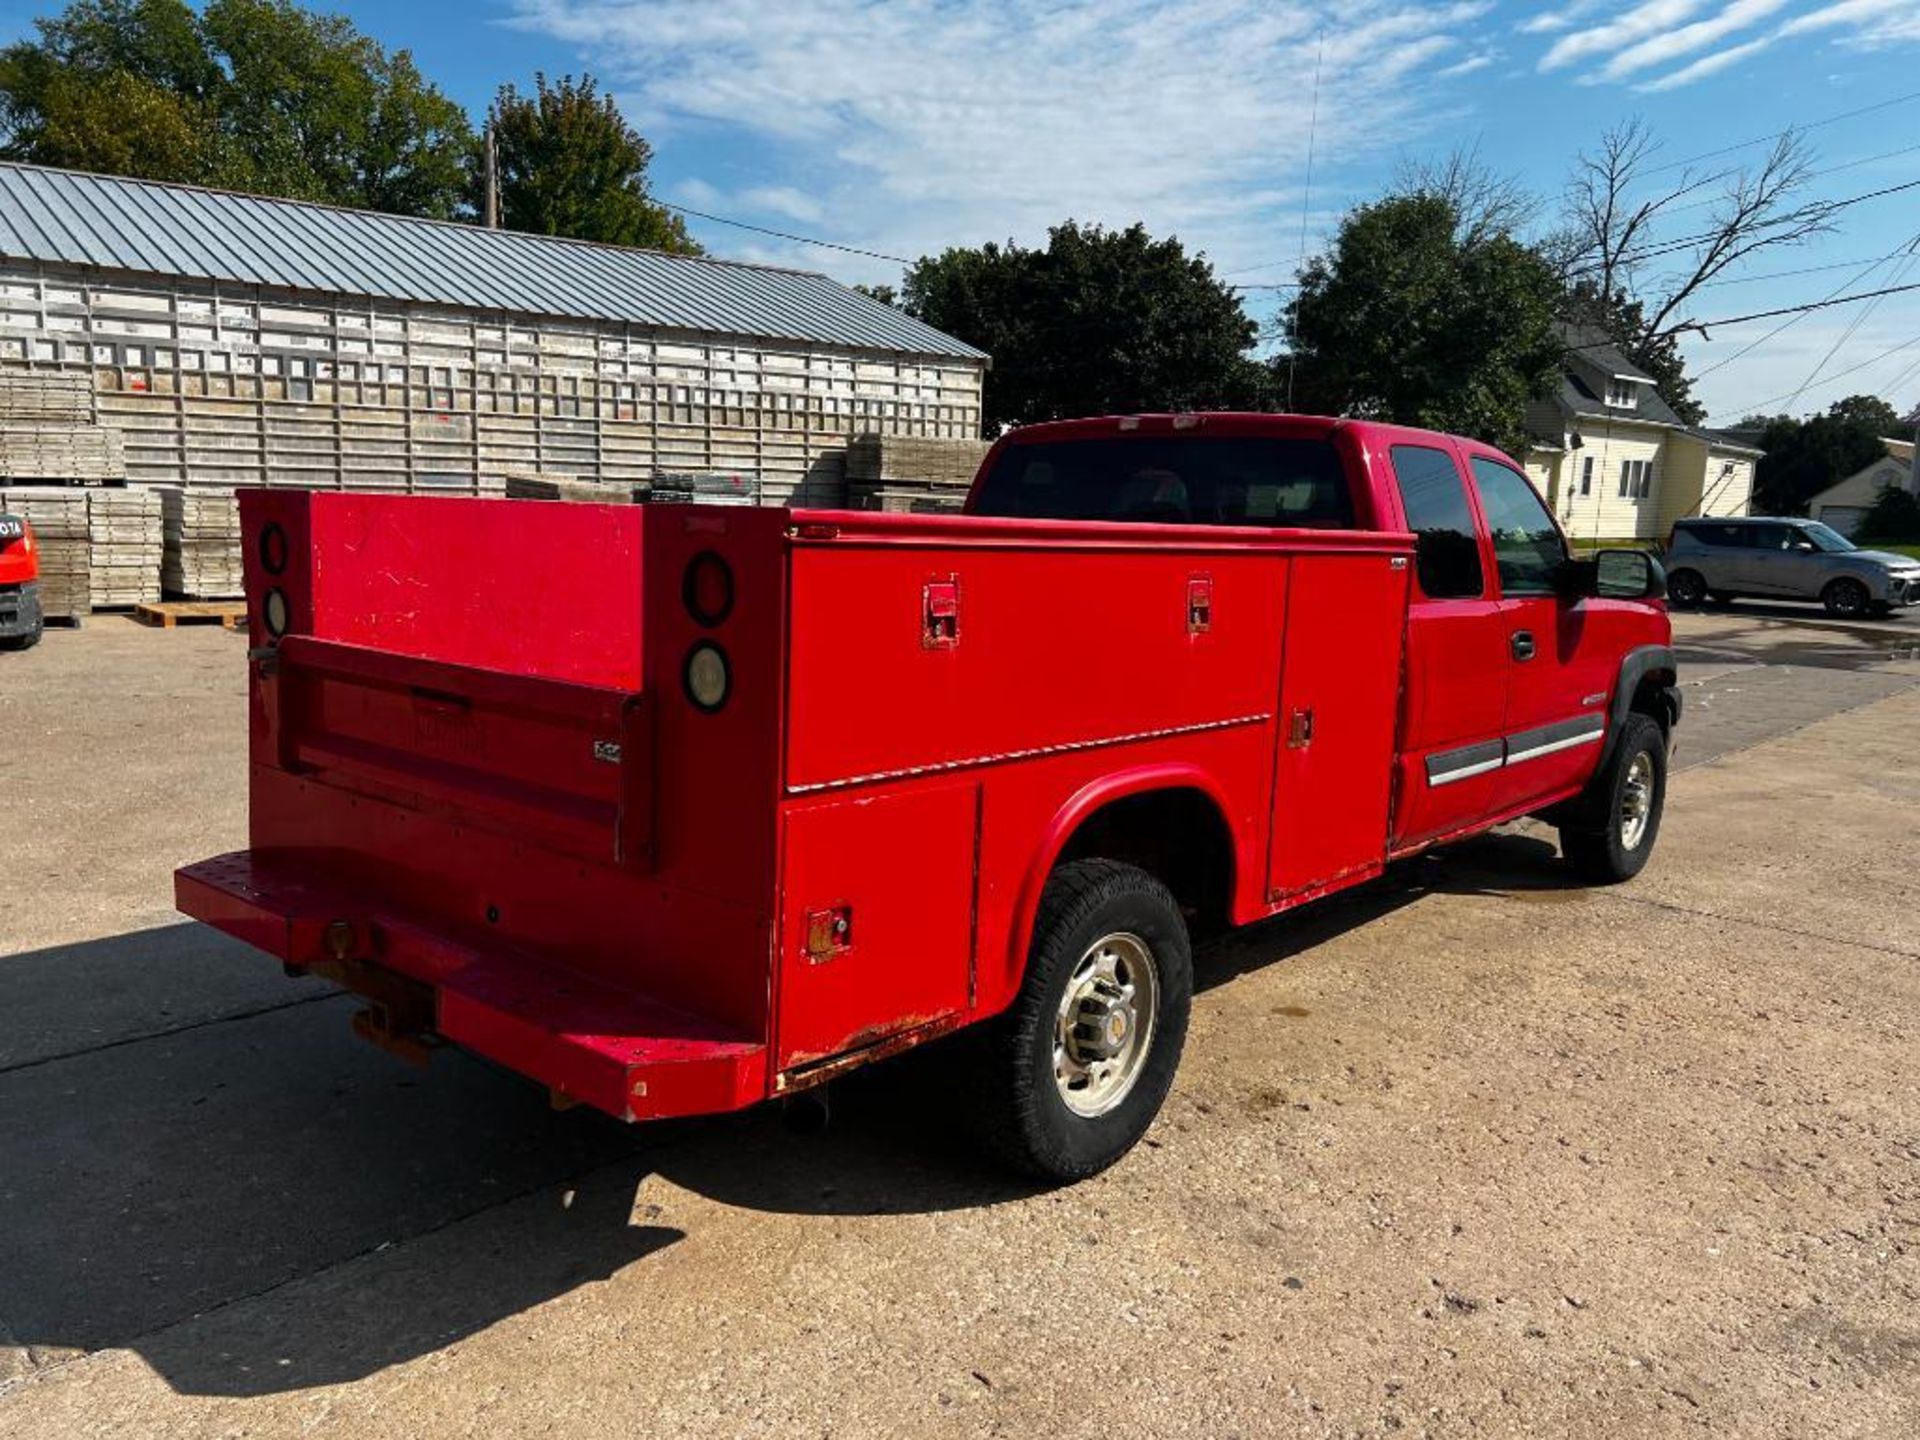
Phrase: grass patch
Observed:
(1898, 547)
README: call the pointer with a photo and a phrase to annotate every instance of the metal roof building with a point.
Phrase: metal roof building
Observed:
(241, 339)
(66, 217)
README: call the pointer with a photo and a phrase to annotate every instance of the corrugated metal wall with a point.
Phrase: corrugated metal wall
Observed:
(218, 384)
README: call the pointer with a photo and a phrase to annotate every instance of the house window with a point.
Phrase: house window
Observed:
(1586, 475)
(1622, 394)
(1636, 479)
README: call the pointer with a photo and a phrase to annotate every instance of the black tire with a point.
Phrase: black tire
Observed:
(1686, 587)
(22, 642)
(1019, 1109)
(1846, 598)
(1593, 834)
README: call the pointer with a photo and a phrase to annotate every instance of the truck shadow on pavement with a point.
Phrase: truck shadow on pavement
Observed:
(257, 1202)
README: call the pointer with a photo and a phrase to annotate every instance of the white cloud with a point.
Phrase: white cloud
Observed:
(1636, 24)
(910, 125)
(1651, 35)
(1465, 67)
(1549, 22)
(1686, 39)
(1707, 65)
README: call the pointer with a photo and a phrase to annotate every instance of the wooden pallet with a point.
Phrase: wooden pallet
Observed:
(231, 614)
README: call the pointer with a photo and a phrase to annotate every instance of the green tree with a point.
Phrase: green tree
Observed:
(255, 94)
(570, 164)
(1894, 516)
(1099, 322)
(1804, 457)
(1415, 318)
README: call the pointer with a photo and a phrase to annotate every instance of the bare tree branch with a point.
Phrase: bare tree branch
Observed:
(1610, 219)
(1487, 202)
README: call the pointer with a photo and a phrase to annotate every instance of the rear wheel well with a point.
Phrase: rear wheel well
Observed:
(1178, 836)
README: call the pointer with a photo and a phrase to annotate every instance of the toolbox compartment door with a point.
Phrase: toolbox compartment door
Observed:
(876, 933)
(1339, 708)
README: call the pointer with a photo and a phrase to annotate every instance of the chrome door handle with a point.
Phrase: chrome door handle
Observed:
(1522, 644)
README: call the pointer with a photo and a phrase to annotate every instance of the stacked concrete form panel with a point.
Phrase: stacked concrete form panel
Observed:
(200, 559)
(48, 433)
(124, 540)
(911, 473)
(58, 515)
(218, 385)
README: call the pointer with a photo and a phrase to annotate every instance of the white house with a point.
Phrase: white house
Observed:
(1845, 505)
(1615, 462)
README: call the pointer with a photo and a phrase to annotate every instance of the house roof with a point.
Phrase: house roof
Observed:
(69, 217)
(1598, 349)
(1727, 440)
(1592, 359)
(1899, 452)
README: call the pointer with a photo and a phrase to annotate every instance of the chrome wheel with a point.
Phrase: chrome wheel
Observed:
(1636, 802)
(1105, 1024)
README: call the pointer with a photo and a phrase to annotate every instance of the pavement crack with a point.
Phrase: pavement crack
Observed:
(1775, 927)
(146, 1035)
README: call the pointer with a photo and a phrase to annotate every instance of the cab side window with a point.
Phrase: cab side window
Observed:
(1447, 560)
(1527, 549)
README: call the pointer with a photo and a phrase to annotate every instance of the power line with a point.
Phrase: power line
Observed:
(1668, 247)
(1804, 270)
(1753, 345)
(1790, 130)
(786, 235)
(1306, 192)
(1901, 269)
(1727, 320)
(1759, 406)
(1704, 325)
(1813, 175)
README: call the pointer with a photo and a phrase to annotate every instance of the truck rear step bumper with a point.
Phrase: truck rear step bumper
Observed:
(589, 1041)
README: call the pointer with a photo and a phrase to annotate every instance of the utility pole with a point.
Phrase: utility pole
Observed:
(491, 219)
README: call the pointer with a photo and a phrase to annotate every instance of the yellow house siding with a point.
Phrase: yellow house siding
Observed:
(1687, 472)
(1605, 514)
(1729, 486)
(1543, 468)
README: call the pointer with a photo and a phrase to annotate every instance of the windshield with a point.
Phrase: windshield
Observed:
(1827, 538)
(1172, 480)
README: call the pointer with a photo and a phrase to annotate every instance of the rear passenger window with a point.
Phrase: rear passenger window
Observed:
(1435, 499)
(1718, 537)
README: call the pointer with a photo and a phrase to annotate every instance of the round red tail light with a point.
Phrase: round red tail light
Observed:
(273, 548)
(707, 588)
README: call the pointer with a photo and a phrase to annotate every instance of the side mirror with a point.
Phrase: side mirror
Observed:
(1628, 575)
(1805, 547)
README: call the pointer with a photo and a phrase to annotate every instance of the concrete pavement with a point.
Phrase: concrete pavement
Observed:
(1467, 1151)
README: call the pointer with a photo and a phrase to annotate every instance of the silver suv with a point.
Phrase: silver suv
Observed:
(1787, 560)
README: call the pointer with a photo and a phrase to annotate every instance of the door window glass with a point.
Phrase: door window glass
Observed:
(1527, 549)
(1435, 499)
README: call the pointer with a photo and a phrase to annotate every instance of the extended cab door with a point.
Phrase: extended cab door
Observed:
(1455, 697)
(1562, 650)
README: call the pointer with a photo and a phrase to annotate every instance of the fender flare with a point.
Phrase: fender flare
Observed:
(1089, 798)
(1637, 665)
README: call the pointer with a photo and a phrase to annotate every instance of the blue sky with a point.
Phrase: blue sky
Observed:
(902, 126)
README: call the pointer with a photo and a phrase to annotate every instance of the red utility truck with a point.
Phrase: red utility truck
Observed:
(757, 795)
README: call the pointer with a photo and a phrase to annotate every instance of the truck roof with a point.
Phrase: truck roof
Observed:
(1231, 422)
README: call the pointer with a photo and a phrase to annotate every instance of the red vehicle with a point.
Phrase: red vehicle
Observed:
(20, 619)
(758, 795)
